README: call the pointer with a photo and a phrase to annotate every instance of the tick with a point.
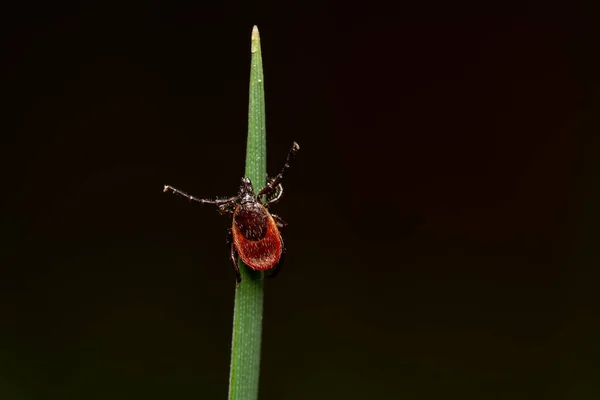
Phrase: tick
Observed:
(255, 233)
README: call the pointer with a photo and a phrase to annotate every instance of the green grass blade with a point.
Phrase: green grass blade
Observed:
(248, 309)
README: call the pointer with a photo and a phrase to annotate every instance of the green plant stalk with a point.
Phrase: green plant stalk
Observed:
(248, 309)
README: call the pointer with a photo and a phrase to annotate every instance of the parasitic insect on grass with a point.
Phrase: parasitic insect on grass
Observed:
(255, 233)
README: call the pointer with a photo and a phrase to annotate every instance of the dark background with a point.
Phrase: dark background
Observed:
(442, 210)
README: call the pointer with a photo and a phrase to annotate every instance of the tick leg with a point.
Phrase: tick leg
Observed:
(233, 257)
(201, 201)
(279, 221)
(236, 267)
(227, 208)
(275, 182)
(273, 272)
(278, 193)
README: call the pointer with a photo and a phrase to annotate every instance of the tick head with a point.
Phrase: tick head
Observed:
(246, 193)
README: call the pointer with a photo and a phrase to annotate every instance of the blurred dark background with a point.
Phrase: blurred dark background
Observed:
(442, 211)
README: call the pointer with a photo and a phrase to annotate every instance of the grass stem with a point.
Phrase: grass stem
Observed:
(248, 309)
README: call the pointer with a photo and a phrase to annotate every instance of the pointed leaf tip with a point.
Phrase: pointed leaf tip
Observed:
(255, 42)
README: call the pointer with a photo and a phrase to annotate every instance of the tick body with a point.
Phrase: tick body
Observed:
(255, 233)
(256, 236)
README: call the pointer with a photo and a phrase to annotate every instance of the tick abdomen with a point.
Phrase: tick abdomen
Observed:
(256, 236)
